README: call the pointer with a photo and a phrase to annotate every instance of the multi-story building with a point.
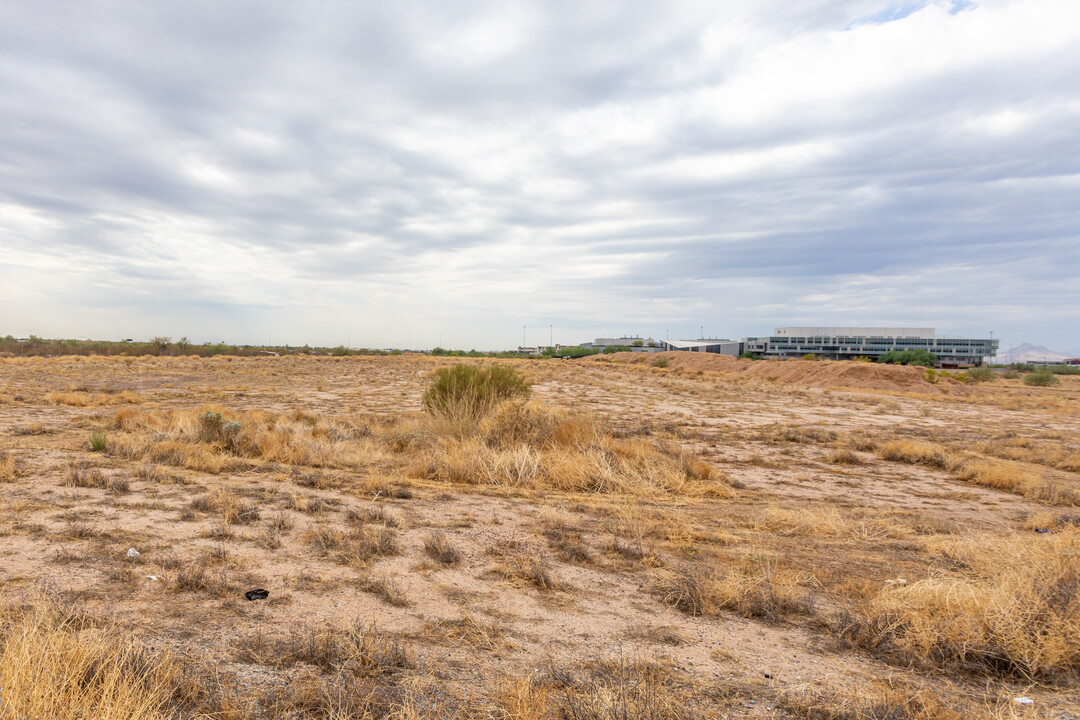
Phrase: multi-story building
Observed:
(847, 343)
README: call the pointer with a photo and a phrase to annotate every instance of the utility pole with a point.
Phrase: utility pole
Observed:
(551, 335)
(522, 336)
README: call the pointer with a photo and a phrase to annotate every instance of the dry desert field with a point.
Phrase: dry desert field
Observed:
(710, 539)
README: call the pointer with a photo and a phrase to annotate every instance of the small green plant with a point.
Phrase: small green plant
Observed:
(810, 356)
(750, 356)
(862, 358)
(660, 362)
(98, 441)
(931, 376)
(1041, 378)
(463, 394)
(214, 428)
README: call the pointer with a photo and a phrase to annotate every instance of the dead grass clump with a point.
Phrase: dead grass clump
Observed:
(384, 586)
(516, 565)
(565, 538)
(882, 699)
(196, 576)
(615, 689)
(1015, 610)
(356, 547)
(920, 453)
(83, 477)
(843, 457)
(356, 649)
(82, 398)
(152, 472)
(998, 474)
(32, 428)
(9, 469)
(805, 434)
(523, 445)
(226, 504)
(439, 548)
(463, 630)
(658, 635)
(1016, 478)
(217, 439)
(759, 591)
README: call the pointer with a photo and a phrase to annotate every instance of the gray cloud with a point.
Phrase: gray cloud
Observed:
(398, 172)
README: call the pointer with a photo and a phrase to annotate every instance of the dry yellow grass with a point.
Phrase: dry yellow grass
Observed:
(1016, 608)
(998, 474)
(82, 398)
(58, 664)
(213, 439)
(524, 445)
(9, 469)
(760, 589)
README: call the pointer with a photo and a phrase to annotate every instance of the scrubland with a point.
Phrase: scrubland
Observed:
(705, 539)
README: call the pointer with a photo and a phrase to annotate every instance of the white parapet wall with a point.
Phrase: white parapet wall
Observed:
(923, 333)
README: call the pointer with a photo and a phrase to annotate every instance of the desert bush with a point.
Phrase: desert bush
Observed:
(979, 375)
(660, 362)
(463, 394)
(98, 441)
(1015, 611)
(1041, 378)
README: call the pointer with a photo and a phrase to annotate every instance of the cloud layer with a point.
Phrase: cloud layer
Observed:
(409, 173)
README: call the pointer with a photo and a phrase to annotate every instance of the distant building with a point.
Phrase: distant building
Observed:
(634, 343)
(720, 346)
(848, 343)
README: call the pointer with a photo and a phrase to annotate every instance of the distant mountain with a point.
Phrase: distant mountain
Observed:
(1026, 352)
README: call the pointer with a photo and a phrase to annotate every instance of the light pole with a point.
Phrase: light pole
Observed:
(522, 336)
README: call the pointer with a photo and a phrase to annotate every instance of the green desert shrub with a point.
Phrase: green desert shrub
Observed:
(463, 394)
(1041, 378)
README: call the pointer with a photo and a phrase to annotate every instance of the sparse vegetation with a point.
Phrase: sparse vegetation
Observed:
(439, 548)
(596, 551)
(1041, 378)
(463, 394)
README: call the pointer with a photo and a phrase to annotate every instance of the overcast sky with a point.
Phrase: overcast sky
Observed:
(410, 173)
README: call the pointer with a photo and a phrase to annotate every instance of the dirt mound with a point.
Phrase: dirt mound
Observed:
(812, 373)
(816, 373)
(679, 360)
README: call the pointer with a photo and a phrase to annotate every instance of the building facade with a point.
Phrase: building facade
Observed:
(840, 343)
(719, 346)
